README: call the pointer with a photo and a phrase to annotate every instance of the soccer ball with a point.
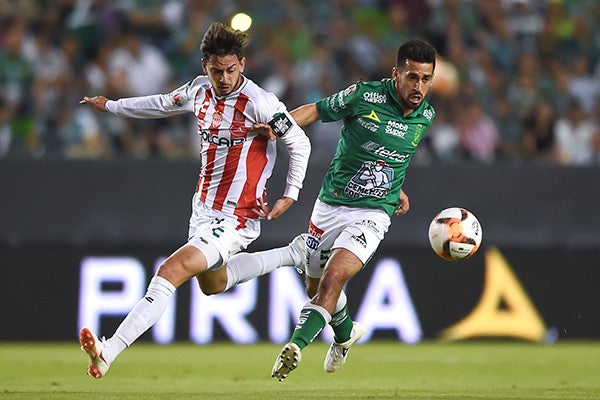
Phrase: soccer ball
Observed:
(455, 234)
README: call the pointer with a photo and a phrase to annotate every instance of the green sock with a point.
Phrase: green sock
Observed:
(312, 320)
(342, 325)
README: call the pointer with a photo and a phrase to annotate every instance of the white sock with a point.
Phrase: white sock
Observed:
(143, 315)
(243, 267)
(341, 303)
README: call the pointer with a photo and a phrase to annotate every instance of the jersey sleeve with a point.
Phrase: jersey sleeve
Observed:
(295, 140)
(179, 101)
(339, 105)
(298, 147)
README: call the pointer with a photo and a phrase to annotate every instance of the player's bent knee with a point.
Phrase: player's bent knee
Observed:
(212, 282)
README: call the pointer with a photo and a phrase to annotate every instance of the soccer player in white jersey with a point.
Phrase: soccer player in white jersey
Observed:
(230, 195)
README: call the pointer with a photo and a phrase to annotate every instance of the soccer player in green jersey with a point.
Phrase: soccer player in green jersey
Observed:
(383, 123)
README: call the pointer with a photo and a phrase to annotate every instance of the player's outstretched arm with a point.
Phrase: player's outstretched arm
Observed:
(97, 102)
(303, 115)
(306, 114)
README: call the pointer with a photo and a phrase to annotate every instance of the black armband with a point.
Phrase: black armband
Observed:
(281, 124)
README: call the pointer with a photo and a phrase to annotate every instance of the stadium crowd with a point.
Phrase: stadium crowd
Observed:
(517, 80)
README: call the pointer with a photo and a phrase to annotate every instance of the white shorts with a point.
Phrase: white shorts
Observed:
(359, 230)
(219, 235)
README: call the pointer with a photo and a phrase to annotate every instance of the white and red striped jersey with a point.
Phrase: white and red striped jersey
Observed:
(235, 163)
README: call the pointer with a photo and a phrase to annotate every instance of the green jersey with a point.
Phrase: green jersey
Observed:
(375, 146)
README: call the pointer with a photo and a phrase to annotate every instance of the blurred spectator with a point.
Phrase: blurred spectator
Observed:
(573, 135)
(444, 137)
(538, 132)
(16, 79)
(520, 61)
(5, 130)
(138, 68)
(317, 75)
(52, 75)
(582, 84)
(364, 46)
(479, 137)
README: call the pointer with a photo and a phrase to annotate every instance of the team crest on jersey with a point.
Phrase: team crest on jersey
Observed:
(418, 136)
(177, 98)
(373, 179)
(216, 119)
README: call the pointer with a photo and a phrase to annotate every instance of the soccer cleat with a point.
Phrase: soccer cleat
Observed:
(286, 361)
(93, 348)
(298, 247)
(338, 352)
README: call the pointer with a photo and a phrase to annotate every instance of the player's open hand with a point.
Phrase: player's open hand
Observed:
(281, 206)
(98, 102)
(264, 130)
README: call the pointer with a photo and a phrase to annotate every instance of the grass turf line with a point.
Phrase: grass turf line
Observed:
(377, 370)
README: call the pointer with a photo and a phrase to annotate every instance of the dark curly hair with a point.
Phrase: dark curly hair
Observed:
(222, 40)
(416, 50)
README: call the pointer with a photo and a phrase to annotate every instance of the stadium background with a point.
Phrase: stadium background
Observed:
(77, 185)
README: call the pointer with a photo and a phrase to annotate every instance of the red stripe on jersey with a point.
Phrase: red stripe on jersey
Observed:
(201, 115)
(236, 129)
(242, 223)
(255, 165)
(212, 150)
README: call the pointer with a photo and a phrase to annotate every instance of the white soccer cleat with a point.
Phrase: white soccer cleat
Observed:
(93, 348)
(338, 352)
(286, 361)
(298, 247)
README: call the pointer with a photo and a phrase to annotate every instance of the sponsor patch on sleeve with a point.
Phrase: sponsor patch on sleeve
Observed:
(281, 124)
(178, 97)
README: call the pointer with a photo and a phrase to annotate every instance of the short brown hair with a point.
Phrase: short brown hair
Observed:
(222, 40)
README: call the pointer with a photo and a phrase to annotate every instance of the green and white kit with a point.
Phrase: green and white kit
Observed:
(375, 147)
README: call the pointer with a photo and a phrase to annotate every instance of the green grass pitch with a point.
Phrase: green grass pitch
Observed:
(377, 370)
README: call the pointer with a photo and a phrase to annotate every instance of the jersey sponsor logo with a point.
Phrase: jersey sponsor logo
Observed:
(372, 116)
(373, 97)
(280, 124)
(372, 225)
(341, 102)
(336, 102)
(396, 128)
(382, 151)
(371, 126)
(220, 140)
(331, 104)
(373, 179)
(360, 239)
(314, 236)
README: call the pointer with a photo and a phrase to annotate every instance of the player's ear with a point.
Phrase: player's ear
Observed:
(395, 73)
(242, 64)
(204, 65)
